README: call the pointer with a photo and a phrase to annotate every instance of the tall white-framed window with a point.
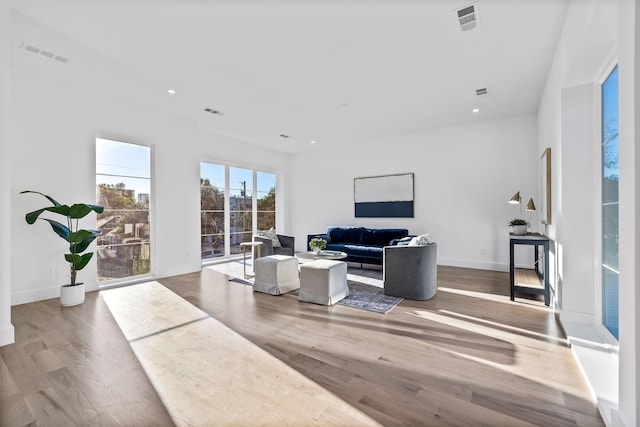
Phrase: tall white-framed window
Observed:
(610, 176)
(124, 188)
(235, 203)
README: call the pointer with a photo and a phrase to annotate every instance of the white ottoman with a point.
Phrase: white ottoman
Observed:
(276, 274)
(323, 281)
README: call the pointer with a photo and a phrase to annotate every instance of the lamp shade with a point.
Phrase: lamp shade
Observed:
(515, 199)
(530, 206)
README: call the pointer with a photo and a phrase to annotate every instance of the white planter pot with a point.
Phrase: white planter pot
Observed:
(519, 229)
(72, 295)
(316, 250)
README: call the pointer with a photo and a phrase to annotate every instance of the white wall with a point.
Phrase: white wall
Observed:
(579, 162)
(6, 328)
(57, 112)
(464, 177)
(596, 34)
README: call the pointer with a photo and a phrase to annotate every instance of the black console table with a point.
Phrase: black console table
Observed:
(536, 240)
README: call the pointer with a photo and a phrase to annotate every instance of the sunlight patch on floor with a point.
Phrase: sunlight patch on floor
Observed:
(206, 374)
(493, 297)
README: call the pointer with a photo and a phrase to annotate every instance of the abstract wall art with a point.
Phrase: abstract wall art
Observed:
(387, 196)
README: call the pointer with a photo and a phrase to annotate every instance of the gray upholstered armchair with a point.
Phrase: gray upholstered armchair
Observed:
(287, 245)
(410, 271)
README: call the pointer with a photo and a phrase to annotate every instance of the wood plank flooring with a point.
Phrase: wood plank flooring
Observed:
(73, 367)
(468, 357)
(207, 374)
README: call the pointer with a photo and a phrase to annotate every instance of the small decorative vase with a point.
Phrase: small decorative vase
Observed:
(316, 249)
(519, 229)
(72, 295)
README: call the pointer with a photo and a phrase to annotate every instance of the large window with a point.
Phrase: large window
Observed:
(234, 204)
(610, 178)
(123, 179)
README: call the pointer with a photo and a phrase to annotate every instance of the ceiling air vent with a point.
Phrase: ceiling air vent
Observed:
(468, 17)
(481, 92)
(215, 112)
(47, 54)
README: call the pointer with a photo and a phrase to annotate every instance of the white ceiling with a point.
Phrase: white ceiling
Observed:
(333, 71)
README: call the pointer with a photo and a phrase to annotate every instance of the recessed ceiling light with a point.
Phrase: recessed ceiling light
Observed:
(475, 110)
(171, 91)
(313, 142)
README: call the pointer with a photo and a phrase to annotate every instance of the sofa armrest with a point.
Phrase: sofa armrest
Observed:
(316, 236)
(287, 245)
(267, 245)
(288, 242)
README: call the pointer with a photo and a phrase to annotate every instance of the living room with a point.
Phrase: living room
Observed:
(465, 171)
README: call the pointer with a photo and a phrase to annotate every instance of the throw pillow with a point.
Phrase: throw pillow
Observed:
(420, 240)
(271, 234)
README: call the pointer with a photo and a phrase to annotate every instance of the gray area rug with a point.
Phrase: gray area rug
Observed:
(362, 295)
(369, 297)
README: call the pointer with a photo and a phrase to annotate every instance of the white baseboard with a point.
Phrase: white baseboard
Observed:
(7, 335)
(480, 265)
(576, 317)
(34, 295)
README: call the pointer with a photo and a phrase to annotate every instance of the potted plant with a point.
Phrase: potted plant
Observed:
(519, 226)
(317, 244)
(78, 239)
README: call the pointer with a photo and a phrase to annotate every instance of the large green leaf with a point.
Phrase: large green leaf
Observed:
(55, 203)
(63, 210)
(80, 210)
(60, 229)
(78, 261)
(81, 239)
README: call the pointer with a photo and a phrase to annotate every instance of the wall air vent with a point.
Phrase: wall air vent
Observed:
(47, 54)
(468, 17)
(481, 92)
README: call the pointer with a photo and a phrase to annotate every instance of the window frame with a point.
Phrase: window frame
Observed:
(606, 335)
(116, 282)
(254, 202)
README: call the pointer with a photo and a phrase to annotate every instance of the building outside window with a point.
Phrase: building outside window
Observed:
(123, 187)
(610, 203)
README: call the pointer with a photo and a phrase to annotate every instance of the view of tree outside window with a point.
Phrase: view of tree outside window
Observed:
(266, 195)
(238, 192)
(610, 203)
(123, 179)
(212, 210)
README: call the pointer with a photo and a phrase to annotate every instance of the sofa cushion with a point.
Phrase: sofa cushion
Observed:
(345, 234)
(360, 251)
(382, 236)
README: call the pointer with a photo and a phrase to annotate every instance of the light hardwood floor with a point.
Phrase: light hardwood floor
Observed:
(73, 367)
(467, 357)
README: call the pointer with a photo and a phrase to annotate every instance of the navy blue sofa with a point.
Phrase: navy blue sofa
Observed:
(362, 245)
